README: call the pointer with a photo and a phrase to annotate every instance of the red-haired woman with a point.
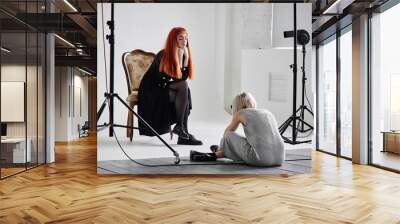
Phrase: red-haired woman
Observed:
(164, 95)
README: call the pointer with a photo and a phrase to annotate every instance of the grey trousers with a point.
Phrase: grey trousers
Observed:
(237, 148)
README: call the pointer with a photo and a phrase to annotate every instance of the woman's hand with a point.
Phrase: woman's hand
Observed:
(181, 52)
(186, 53)
(233, 125)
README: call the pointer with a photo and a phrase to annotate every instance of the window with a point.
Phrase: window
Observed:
(385, 89)
(327, 97)
(346, 94)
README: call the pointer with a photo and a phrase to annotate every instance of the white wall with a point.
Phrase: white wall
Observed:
(232, 74)
(68, 79)
(61, 103)
(16, 72)
(220, 51)
(259, 67)
(254, 56)
(33, 126)
(283, 21)
(82, 82)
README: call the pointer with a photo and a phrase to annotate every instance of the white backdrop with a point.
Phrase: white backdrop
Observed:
(231, 52)
(146, 26)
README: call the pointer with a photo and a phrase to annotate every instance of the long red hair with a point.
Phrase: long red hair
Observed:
(170, 60)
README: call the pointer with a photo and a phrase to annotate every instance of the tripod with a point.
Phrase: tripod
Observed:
(302, 125)
(109, 96)
(297, 123)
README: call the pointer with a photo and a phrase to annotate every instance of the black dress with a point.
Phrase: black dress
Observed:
(154, 104)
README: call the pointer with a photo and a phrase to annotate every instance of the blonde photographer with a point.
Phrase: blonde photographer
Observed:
(262, 144)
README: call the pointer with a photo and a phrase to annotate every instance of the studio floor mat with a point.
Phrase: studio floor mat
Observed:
(296, 162)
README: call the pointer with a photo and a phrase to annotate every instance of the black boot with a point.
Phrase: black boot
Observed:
(193, 153)
(201, 157)
(190, 141)
(180, 131)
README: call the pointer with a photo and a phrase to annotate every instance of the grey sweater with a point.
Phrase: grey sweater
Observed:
(261, 130)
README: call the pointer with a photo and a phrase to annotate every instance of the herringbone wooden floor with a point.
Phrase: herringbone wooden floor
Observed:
(70, 191)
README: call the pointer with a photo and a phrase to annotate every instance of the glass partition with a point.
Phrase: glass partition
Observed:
(32, 88)
(22, 88)
(327, 96)
(31, 97)
(14, 154)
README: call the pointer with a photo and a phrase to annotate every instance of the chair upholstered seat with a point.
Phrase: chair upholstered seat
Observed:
(137, 64)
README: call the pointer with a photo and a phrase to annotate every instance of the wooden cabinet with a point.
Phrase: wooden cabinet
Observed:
(391, 142)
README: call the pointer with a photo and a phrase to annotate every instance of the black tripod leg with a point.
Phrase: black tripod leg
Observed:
(282, 127)
(285, 125)
(177, 160)
(306, 123)
(301, 118)
(295, 127)
(309, 111)
(103, 105)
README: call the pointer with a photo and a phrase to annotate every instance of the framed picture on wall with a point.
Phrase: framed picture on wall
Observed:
(12, 101)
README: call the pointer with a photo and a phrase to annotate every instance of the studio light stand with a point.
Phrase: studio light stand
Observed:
(109, 96)
(297, 123)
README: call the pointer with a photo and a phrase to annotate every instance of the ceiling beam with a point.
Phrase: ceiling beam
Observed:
(86, 27)
(82, 61)
(337, 7)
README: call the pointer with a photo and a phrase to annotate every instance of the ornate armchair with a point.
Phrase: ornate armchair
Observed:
(135, 64)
